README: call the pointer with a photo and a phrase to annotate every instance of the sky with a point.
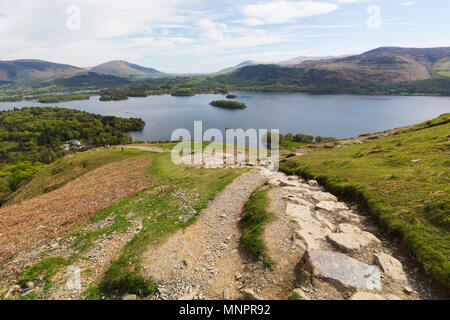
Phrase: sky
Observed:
(199, 36)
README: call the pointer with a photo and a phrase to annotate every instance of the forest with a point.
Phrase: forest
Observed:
(32, 137)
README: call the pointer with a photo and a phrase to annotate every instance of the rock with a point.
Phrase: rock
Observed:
(293, 178)
(10, 293)
(288, 184)
(351, 241)
(226, 294)
(391, 267)
(345, 228)
(300, 190)
(185, 263)
(28, 292)
(274, 182)
(249, 294)
(408, 290)
(351, 238)
(29, 286)
(302, 295)
(312, 232)
(313, 183)
(331, 206)
(342, 271)
(323, 196)
(129, 297)
(366, 296)
(300, 201)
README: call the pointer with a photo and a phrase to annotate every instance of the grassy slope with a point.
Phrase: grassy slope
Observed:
(159, 207)
(410, 198)
(161, 211)
(67, 169)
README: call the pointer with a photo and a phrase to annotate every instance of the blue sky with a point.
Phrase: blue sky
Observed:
(205, 36)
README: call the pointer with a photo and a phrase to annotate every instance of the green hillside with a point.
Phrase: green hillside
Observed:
(402, 179)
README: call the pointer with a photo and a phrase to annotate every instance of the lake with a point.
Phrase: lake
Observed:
(339, 116)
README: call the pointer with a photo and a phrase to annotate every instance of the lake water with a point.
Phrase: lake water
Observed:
(339, 116)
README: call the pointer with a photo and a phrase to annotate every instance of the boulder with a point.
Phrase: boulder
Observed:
(342, 271)
(352, 241)
(331, 206)
(323, 196)
(391, 267)
(351, 238)
(313, 183)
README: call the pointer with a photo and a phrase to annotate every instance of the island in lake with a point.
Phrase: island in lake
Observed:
(228, 104)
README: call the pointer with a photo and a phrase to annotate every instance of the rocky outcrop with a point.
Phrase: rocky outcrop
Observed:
(342, 271)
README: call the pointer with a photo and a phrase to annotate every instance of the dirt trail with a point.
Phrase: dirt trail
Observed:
(206, 258)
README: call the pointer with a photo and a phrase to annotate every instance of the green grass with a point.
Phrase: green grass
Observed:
(410, 198)
(444, 73)
(46, 268)
(254, 218)
(67, 169)
(289, 145)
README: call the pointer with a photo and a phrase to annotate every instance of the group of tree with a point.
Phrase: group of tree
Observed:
(32, 136)
(300, 137)
(228, 104)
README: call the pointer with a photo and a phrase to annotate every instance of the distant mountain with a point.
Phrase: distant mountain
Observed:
(240, 65)
(32, 70)
(388, 64)
(90, 80)
(301, 59)
(382, 65)
(291, 62)
(125, 69)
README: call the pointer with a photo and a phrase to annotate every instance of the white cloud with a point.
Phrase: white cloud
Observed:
(284, 11)
(407, 4)
(352, 1)
(212, 30)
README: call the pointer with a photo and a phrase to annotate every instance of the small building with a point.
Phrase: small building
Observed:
(75, 143)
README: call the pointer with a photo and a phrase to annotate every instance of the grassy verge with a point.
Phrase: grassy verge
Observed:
(254, 218)
(402, 179)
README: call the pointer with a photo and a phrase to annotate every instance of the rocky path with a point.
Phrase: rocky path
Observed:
(321, 249)
(344, 255)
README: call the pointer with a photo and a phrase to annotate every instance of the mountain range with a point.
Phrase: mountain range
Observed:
(385, 64)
